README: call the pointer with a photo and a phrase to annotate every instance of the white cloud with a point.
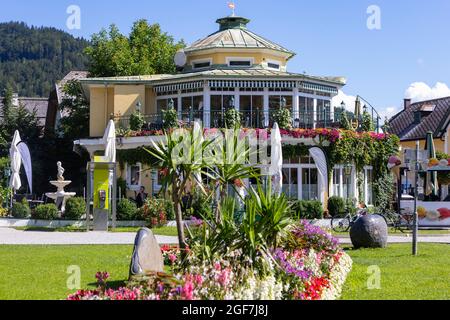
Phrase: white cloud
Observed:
(420, 91)
(349, 101)
(388, 112)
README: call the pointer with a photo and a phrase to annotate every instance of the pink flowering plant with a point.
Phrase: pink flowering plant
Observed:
(262, 256)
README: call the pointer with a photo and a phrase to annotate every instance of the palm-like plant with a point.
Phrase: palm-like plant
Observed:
(234, 164)
(179, 166)
(266, 222)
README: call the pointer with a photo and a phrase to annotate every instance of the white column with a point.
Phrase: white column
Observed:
(355, 184)
(446, 143)
(179, 105)
(266, 107)
(206, 106)
(295, 105)
(315, 114)
(237, 102)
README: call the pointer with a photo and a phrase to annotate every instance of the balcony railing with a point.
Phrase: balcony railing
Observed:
(249, 119)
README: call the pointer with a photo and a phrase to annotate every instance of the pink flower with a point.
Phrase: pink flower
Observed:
(172, 258)
(217, 266)
(187, 292)
(199, 280)
(224, 277)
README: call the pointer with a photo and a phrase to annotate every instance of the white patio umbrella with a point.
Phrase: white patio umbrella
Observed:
(276, 163)
(16, 162)
(198, 142)
(109, 139)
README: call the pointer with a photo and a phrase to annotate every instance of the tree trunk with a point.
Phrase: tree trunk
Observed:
(179, 219)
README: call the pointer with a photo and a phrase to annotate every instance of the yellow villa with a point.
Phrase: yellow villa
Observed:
(231, 68)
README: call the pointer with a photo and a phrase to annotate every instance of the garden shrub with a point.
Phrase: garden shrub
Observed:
(3, 212)
(157, 212)
(384, 192)
(126, 210)
(170, 119)
(232, 118)
(336, 206)
(137, 121)
(283, 118)
(21, 210)
(46, 212)
(308, 209)
(75, 208)
(200, 205)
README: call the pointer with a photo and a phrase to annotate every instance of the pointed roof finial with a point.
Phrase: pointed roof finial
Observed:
(232, 6)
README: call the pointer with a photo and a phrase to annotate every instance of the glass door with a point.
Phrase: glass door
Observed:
(310, 184)
(290, 182)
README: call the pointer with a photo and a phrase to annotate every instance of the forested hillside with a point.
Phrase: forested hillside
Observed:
(33, 58)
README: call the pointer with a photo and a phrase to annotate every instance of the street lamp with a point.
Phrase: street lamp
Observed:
(365, 109)
(348, 169)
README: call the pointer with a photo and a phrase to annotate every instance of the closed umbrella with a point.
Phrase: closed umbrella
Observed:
(109, 139)
(431, 180)
(16, 162)
(276, 163)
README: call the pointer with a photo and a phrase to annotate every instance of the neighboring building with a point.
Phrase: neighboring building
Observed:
(37, 105)
(47, 110)
(416, 119)
(55, 114)
(231, 68)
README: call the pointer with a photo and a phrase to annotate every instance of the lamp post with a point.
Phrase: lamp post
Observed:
(7, 176)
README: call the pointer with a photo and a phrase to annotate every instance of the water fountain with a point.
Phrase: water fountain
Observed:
(60, 196)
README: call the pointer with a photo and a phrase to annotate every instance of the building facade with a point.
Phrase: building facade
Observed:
(231, 68)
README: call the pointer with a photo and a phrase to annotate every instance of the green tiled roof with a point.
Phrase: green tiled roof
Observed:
(233, 33)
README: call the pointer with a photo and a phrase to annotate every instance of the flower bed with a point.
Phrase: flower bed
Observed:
(307, 265)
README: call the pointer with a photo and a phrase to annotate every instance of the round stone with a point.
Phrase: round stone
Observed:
(370, 231)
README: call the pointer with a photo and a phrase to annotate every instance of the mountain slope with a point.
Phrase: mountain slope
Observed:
(33, 58)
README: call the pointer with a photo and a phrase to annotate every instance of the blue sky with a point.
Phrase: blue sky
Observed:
(330, 37)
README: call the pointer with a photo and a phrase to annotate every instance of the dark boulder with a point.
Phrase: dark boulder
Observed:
(370, 231)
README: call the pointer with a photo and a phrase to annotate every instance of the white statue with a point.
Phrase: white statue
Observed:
(61, 170)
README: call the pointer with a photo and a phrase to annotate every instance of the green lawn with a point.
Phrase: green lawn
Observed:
(40, 272)
(403, 276)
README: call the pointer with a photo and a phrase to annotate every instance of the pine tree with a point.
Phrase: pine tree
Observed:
(7, 102)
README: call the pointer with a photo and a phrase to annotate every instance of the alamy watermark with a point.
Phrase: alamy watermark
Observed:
(73, 21)
(74, 279)
(374, 19)
(374, 280)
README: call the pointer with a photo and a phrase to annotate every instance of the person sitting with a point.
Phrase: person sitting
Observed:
(141, 197)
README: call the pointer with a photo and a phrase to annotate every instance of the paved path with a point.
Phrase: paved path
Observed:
(15, 237)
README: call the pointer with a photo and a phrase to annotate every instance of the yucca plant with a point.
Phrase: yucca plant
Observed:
(265, 223)
(179, 166)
